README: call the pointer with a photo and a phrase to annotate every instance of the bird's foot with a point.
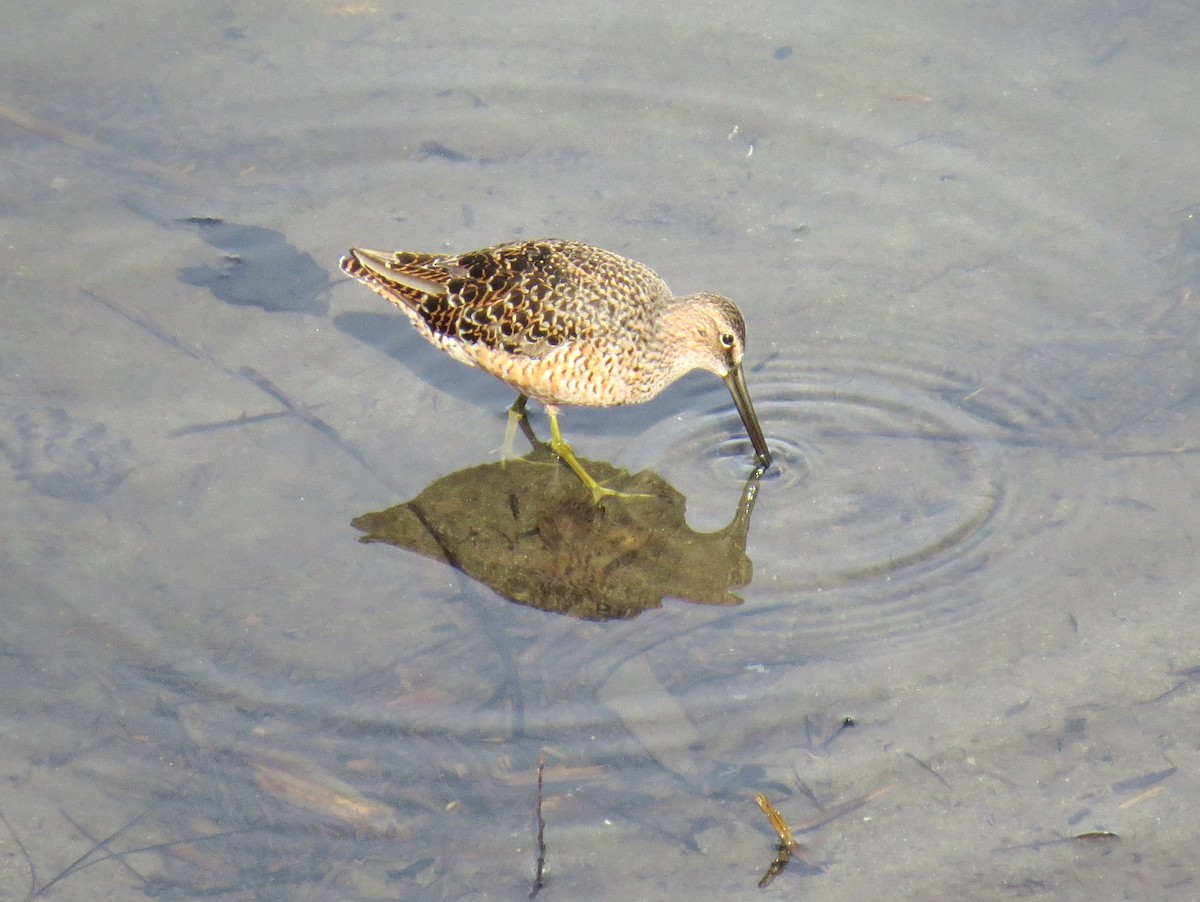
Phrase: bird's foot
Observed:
(599, 492)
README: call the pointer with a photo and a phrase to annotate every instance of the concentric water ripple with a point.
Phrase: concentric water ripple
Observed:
(902, 496)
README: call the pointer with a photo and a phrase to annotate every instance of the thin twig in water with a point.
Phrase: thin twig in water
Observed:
(314, 421)
(245, 419)
(142, 321)
(86, 861)
(251, 375)
(841, 809)
(100, 844)
(1092, 837)
(89, 858)
(844, 724)
(82, 861)
(539, 875)
(24, 852)
(918, 761)
(91, 146)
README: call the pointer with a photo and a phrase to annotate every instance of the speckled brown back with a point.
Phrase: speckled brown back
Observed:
(525, 298)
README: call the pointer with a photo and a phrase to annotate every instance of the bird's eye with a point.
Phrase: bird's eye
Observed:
(727, 340)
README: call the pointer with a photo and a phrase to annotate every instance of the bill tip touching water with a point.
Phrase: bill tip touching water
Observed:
(565, 323)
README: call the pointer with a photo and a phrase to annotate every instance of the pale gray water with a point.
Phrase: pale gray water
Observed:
(967, 242)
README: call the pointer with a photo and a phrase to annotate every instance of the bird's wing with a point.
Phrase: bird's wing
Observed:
(531, 297)
(525, 298)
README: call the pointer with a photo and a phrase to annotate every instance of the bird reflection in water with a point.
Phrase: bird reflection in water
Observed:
(544, 543)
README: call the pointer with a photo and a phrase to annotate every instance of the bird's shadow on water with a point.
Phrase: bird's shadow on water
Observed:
(253, 266)
(257, 267)
(393, 335)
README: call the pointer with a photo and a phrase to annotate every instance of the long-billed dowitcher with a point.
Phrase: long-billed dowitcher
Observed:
(565, 323)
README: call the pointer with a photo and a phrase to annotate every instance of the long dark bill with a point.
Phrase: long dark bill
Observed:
(741, 400)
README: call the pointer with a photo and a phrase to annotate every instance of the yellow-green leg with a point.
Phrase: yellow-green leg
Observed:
(560, 447)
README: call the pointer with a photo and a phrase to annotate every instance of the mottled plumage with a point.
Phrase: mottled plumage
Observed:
(564, 323)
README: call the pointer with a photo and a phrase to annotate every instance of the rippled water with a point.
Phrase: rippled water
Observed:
(898, 489)
(965, 241)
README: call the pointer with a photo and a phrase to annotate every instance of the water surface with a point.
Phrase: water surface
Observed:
(966, 242)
